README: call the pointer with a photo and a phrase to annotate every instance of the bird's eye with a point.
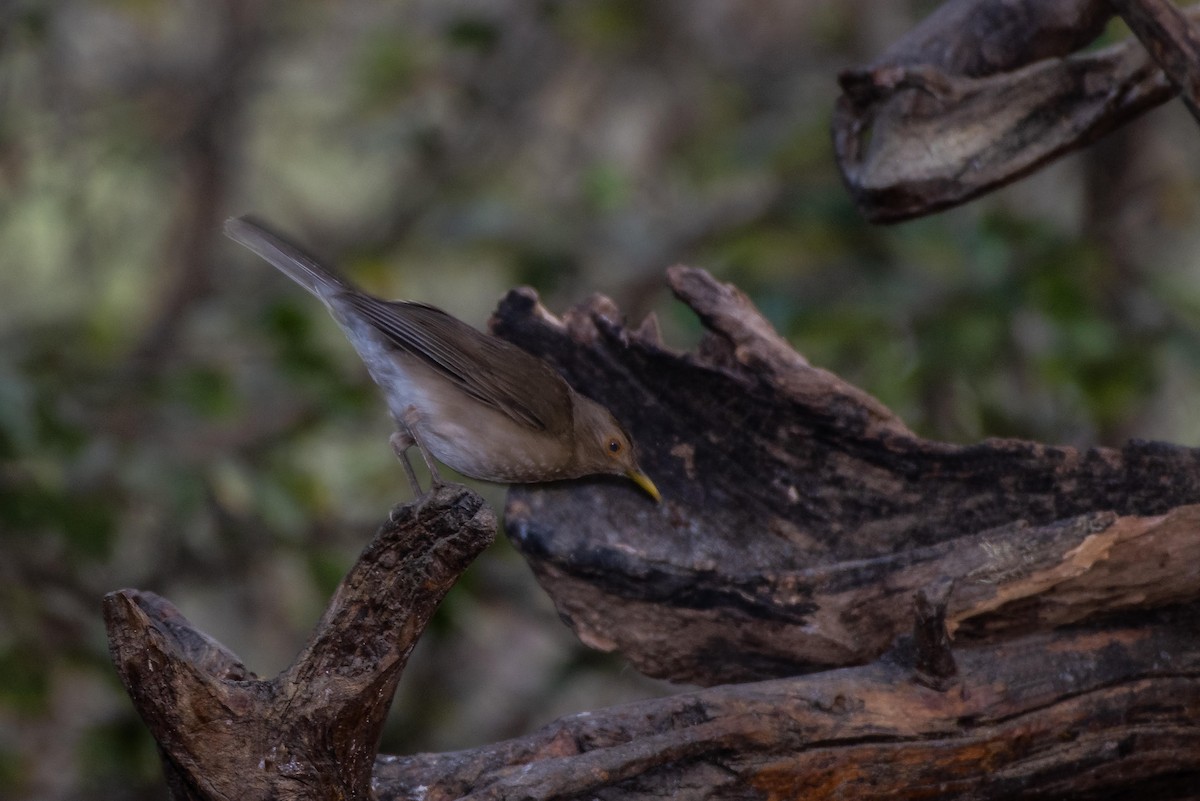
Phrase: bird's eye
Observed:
(614, 446)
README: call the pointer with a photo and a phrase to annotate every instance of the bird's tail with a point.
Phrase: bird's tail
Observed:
(287, 258)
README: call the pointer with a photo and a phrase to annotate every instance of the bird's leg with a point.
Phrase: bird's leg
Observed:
(401, 441)
(409, 422)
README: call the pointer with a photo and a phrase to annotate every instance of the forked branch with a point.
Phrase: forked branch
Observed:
(313, 730)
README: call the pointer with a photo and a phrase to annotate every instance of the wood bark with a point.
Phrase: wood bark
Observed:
(983, 92)
(800, 517)
(1026, 615)
(1171, 40)
(312, 731)
(1087, 713)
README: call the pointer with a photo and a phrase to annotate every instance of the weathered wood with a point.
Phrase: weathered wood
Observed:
(1102, 713)
(1032, 611)
(799, 516)
(979, 94)
(1094, 711)
(1171, 39)
(313, 731)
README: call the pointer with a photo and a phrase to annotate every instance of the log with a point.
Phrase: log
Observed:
(1098, 711)
(800, 516)
(1082, 713)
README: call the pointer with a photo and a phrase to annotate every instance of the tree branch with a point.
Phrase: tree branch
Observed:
(1118, 714)
(1171, 40)
(313, 731)
(983, 92)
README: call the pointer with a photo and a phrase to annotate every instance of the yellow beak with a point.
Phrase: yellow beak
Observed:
(643, 481)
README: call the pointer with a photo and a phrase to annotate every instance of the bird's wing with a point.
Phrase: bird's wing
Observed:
(490, 370)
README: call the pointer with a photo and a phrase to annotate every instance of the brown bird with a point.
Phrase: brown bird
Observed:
(480, 405)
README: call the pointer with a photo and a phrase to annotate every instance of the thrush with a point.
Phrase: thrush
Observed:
(474, 402)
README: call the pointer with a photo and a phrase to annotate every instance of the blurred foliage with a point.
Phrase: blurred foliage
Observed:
(175, 416)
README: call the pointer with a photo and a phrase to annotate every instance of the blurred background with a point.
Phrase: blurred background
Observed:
(176, 416)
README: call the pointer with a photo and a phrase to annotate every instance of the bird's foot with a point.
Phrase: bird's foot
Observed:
(401, 441)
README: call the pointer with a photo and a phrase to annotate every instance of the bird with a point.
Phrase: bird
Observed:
(476, 403)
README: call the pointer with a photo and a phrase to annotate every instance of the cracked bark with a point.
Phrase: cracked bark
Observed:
(800, 516)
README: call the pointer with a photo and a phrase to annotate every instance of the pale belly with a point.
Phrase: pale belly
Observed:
(474, 438)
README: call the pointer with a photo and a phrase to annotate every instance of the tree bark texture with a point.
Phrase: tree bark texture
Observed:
(1096, 713)
(1025, 616)
(800, 517)
(983, 92)
(313, 731)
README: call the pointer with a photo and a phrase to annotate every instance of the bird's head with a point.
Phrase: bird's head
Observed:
(602, 446)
